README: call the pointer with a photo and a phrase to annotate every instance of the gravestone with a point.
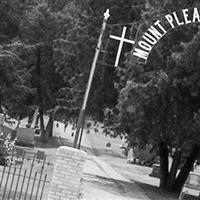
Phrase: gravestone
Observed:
(155, 171)
(156, 168)
(25, 137)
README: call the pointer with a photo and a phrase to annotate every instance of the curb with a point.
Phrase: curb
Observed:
(108, 170)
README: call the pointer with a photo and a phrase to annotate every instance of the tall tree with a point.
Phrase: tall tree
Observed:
(43, 27)
(15, 75)
(159, 101)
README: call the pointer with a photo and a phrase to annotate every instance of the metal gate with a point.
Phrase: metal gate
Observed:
(26, 176)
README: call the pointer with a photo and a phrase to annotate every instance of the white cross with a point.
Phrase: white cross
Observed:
(122, 39)
(106, 14)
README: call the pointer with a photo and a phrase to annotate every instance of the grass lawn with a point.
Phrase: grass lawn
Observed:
(154, 193)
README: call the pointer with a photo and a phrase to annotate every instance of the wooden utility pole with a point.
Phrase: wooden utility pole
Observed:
(82, 112)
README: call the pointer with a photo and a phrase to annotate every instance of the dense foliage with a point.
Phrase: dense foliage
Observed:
(53, 43)
(159, 101)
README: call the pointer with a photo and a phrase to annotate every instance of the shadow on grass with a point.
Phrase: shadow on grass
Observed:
(136, 190)
(113, 187)
(102, 152)
(153, 192)
(53, 142)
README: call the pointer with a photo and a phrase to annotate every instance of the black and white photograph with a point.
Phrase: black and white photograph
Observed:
(99, 99)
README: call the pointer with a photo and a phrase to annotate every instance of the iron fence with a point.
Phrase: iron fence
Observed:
(26, 176)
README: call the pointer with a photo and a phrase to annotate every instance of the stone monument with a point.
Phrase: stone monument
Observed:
(25, 137)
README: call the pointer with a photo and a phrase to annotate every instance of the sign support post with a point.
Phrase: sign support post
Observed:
(82, 112)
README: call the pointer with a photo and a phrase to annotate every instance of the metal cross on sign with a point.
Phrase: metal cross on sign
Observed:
(122, 39)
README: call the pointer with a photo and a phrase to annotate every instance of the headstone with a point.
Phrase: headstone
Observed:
(156, 168)
(155, 171)
(25, 137)
(108, 144)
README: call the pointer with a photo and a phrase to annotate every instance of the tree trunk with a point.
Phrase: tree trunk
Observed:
(180, 180)
(49, 128)
(174, 168)
(42, 128)
(40, 95)
(33, 123)
(30, 118)
(163, 151)
(18, 123)
(1, 110)
(37, 120)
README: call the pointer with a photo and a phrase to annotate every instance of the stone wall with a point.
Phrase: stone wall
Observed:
(66, 181)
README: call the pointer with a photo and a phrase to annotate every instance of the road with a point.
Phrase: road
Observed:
(138, 176)
(113, 155)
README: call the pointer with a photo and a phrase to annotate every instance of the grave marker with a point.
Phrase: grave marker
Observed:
(25, 137)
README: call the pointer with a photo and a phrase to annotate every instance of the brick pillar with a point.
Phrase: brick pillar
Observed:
(66, 181)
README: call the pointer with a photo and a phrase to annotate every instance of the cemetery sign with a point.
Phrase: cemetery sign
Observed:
(159, 28)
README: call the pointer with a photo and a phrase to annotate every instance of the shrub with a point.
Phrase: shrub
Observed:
(6, 149)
